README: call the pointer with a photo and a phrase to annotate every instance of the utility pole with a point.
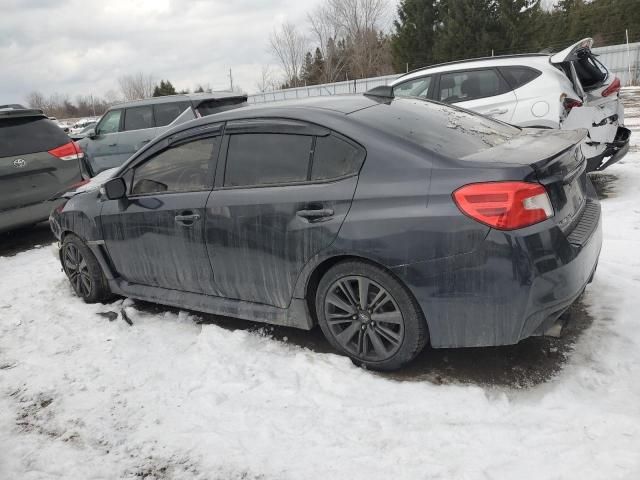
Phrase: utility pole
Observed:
(231, 79)
(93, 106)
(626, 32)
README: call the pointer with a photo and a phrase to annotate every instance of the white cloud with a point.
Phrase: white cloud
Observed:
(81, 47)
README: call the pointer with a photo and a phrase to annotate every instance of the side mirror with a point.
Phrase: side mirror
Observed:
(92, 133)
(115, 188)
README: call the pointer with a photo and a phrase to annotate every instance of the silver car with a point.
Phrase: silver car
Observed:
(127, 127)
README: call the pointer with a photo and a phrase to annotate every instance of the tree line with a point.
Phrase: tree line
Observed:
(348, 39)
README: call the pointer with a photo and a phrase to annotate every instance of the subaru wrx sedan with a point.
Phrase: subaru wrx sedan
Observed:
(390, 222)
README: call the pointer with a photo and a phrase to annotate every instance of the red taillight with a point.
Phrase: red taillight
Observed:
(504, 205)
(613, 88)
(569, 103)
(68, 151)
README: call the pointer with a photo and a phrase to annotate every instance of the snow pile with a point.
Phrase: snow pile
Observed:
(84, 395)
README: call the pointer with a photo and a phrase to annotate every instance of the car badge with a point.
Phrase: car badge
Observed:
(19, 163)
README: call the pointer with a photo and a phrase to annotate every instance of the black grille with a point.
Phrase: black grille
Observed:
(586, 225)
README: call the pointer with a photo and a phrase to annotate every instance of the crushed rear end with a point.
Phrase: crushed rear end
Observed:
(599, 108)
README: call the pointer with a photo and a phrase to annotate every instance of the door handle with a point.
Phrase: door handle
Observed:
(145, 141)
(497, 111)
(186, 218)
(112, 145)
(315, 214)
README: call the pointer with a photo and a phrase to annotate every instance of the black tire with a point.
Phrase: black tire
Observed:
(382, 336)
(83, 270)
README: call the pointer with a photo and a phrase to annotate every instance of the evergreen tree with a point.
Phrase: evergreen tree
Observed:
(412, 42)
(306, 74)
(165, 88)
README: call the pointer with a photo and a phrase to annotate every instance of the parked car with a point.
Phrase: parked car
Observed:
(37, 161)
(81, 125)
(126, 127)
(569, 90)
(390, 222)
(78, 135)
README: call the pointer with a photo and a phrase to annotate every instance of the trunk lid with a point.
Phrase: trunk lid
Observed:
(557, 162)
(570, 53)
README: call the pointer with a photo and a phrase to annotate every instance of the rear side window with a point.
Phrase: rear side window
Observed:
(469, 85)
(267, 158)
(518, 76)
(166, 113)
(447, 130)
(20, 136)
(418, 87)
(335, 157)
(184, 168)
(110, 122)
(210, 107)
(137, 118)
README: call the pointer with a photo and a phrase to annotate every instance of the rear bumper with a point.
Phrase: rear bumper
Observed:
(515, 286)
(27, 215)
(615, 150)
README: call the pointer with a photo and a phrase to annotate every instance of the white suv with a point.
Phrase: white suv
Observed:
(568, 90)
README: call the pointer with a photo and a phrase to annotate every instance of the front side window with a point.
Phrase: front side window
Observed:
(418, 87)
(184, 168)
(335, 157)
(138, 118)
(469, 85)
(267, 158)
(111, 122)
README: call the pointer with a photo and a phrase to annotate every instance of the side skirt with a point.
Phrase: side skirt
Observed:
(297, 315)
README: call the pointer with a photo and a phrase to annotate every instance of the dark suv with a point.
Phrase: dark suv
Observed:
(37, 162)
(127, 127)
(389, 222)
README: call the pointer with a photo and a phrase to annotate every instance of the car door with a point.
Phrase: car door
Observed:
(481, 90)
(101, 150)
(156, 235)
(281, 198)
(138, 129)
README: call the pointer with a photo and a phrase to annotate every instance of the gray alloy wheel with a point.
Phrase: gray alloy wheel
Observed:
(368, 314)
(364, 318)
(83, 270)
(75, 266)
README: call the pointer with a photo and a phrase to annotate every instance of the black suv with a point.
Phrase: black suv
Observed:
(37, 162)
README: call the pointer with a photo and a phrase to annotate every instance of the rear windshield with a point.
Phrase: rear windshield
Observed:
(19, 136)
(450, 131)
(210, 107)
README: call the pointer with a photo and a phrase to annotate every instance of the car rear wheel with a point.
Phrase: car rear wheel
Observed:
(370, 316)
(83, 271)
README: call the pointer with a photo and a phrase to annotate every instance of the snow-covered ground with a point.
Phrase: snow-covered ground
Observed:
(86, 396)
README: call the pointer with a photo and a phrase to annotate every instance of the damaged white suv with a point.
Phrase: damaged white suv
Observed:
(568, 90)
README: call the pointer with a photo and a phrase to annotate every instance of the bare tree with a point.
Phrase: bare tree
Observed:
(266, 81)
(326, 31)
(288, 46)
(361, 21)
(36, 99)
(136, 86)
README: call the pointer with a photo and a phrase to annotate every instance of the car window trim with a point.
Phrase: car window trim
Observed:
(501, 80)
(211, 175)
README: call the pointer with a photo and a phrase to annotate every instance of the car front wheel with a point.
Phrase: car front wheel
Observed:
(370, 316)
(83, 270)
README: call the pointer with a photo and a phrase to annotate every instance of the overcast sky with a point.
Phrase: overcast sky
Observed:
(83, 46)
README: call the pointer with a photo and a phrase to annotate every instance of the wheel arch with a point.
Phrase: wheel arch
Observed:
(324, 265)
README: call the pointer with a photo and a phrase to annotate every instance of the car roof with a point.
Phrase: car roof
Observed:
(532, 59)
(197, 98)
